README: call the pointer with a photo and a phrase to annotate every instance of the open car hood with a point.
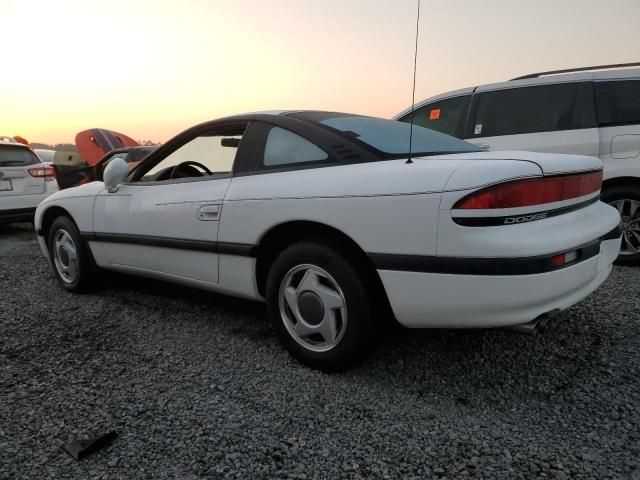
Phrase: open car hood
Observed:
(73, 169)
(95, 143)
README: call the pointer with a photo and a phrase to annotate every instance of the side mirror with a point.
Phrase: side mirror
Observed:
(115, 174)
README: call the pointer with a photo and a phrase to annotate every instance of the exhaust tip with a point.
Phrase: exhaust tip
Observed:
(538, 325)
(543, 324)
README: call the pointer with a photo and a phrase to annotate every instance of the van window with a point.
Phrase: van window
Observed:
(446, 116)
(543, 108)
(618, 102)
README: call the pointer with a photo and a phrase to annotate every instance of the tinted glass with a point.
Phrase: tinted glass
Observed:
(17, 156)
(532, 109)
(122, 155)
(618, 102)
(138, 154)
(391, 137)
(446, 116)
(285, 148)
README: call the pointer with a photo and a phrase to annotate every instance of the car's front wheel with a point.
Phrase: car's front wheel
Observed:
(70, 257)
(320, 306)
(626, 199)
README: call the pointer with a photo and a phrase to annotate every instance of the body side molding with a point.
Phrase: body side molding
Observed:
(383, 261)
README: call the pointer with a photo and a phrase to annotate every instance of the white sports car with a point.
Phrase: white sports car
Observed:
(327, 218)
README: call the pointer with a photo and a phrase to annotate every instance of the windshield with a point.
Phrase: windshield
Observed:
(392, 137)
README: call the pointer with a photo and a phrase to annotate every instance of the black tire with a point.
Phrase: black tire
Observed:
(359, 337)
(85, 268)
(624, 192)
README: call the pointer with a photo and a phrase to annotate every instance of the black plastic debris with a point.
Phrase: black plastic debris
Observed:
(81, 448)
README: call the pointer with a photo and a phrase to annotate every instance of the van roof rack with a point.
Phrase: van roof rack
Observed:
(579, 69)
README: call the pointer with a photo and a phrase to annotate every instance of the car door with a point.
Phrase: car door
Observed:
(168, 227)
(556, 118)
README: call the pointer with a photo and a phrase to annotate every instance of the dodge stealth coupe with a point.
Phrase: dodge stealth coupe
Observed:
(332, 221)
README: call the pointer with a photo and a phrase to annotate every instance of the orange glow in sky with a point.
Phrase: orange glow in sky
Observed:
(153, 68)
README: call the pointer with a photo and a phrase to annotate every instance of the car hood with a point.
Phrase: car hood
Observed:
(95, 143)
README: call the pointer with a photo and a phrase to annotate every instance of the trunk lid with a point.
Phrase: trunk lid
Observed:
(549, 163)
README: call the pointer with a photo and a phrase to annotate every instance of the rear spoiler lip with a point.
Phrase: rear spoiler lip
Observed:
(523, 177)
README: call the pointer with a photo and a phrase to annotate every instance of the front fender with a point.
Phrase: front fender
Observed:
(76, 202)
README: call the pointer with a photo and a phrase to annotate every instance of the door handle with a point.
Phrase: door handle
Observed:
(208, 213)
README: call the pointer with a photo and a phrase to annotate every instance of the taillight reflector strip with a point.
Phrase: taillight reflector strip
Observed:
(536, 191)
(563, 259)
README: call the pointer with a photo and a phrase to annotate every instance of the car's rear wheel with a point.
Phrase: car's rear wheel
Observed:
(70, 257)
(320, 307)
(627, 200)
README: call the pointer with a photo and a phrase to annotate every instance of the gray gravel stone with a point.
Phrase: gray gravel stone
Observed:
(197, 387)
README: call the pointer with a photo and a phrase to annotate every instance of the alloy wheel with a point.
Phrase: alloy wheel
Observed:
(630, 225)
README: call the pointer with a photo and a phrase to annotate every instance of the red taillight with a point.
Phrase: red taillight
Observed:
(46, 172)
(564, 258)
(537, 191)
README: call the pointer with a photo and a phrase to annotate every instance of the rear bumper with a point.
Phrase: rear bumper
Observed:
(15, 215)
(21, 208)
(445, 300)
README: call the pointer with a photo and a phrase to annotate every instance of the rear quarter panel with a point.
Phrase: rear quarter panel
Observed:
(388, 206)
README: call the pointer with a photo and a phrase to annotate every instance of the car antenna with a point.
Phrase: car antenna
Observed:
(413, 93)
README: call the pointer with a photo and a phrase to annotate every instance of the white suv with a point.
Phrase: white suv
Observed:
(588, 111)
(24, 182)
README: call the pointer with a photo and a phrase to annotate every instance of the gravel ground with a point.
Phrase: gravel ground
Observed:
(197, 386)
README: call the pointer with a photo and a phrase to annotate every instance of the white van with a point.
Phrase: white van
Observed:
(587, 111)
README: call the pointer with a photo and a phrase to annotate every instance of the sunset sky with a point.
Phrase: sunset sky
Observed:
(153, 68)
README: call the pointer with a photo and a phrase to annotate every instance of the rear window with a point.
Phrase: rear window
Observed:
(547, 108)
(446, 116)
(392, 138)
(618, 102)
(11, 156)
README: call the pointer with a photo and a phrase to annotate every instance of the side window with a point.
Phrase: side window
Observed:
(445, 116)
(284, 148)
(207, 154)
(618, 102)
(544, 108)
